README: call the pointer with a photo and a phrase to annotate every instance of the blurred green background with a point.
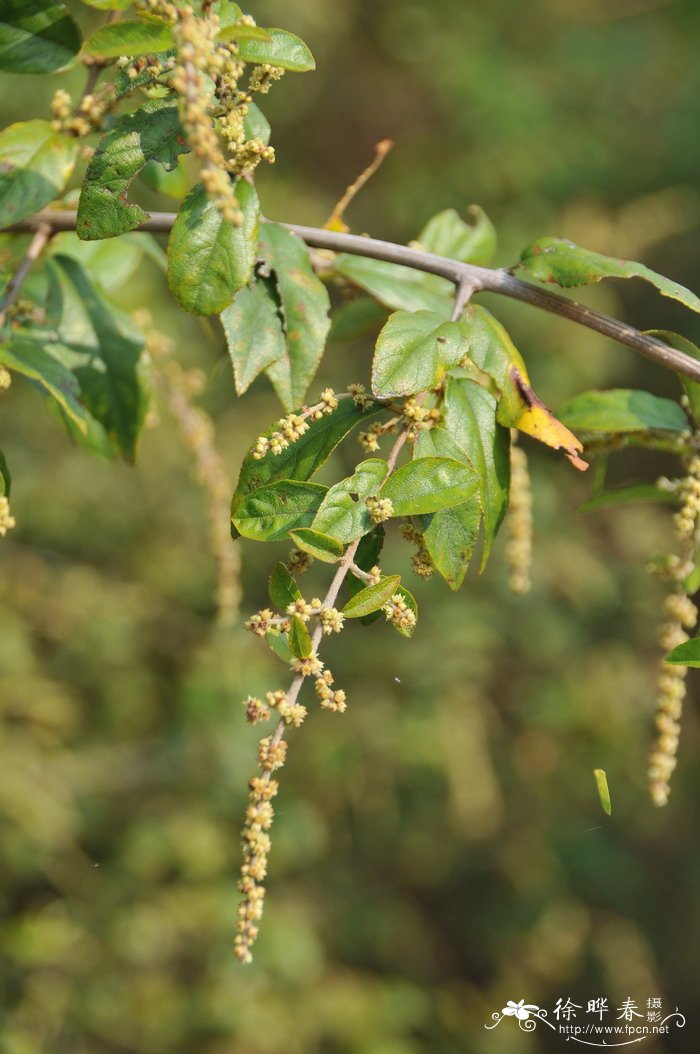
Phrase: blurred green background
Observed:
(439, 849)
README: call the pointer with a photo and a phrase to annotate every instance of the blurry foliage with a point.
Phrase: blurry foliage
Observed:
(441, 848)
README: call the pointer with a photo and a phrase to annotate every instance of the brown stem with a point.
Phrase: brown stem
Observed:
(36, 246)
(479, 279)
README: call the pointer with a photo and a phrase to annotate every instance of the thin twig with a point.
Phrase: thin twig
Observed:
(36, 246)
(480, 279)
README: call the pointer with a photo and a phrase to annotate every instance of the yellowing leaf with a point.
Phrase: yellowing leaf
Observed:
(536, 420)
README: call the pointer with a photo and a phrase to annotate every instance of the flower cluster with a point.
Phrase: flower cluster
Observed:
(84, 117)
(399, 613)
(369, 440)
(331, 620)
(519, 523)
(309, 666)
(420, 418)
(293, 426)
(255, 710)
(5, 379)
(256, 845)
(687, 516)
(197, 54)
(291, 712)
(261, 622)
(359, 396)
(380, 509)
(7, 522)
(299, 562)
(421, 561)
(681, 616)
(335, 701)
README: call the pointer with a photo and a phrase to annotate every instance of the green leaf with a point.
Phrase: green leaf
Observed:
(241, 31)
(450, 536)
(109, 347)
(412, 604)
(601, 782)
(129, 37)
(686, 654)
(281, 49)
(371, 598)
(36, 36)
(692, 388)
(109, 5)
(493, 352)
(621, 410)
(397, 287)
(145, 78)
(39, 365)
(366, 557)
(253, 330)
(304, 306)
(447, 234)
(208, 258)
(36, 162)
(5, 477)
(414, 350)
(429, 484)
(470, 421)
(626, 495)
(256, 124)
(269, 513)
(282, 589)
(109, 263)
(299, 638)
(566, 264)
(279, 644)
(173, 184)
(357, 318)
(227, 11)
(343, 513)
(152, 132)
(316, 544)
(300, 460)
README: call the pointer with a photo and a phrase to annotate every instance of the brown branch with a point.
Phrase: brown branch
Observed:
(42, 233)
(478, 279)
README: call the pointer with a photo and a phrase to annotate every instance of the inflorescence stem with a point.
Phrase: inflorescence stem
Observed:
(467, 277)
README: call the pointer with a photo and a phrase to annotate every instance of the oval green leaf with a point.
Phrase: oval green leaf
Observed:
(282, 589)
(372, 597)
(36, 36)
(687, 654)
(447, 234)
(299, 638)
(253, 331)
(208, 258)
(621, 410)
(304, 305)
(414, 350)
(567, 264)
(316, 544)
(429, 484)
(282, 49)
(130, 37)
(394, 286)
(152, 132)
(270, 513)
(36, 162)
(343, 512)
